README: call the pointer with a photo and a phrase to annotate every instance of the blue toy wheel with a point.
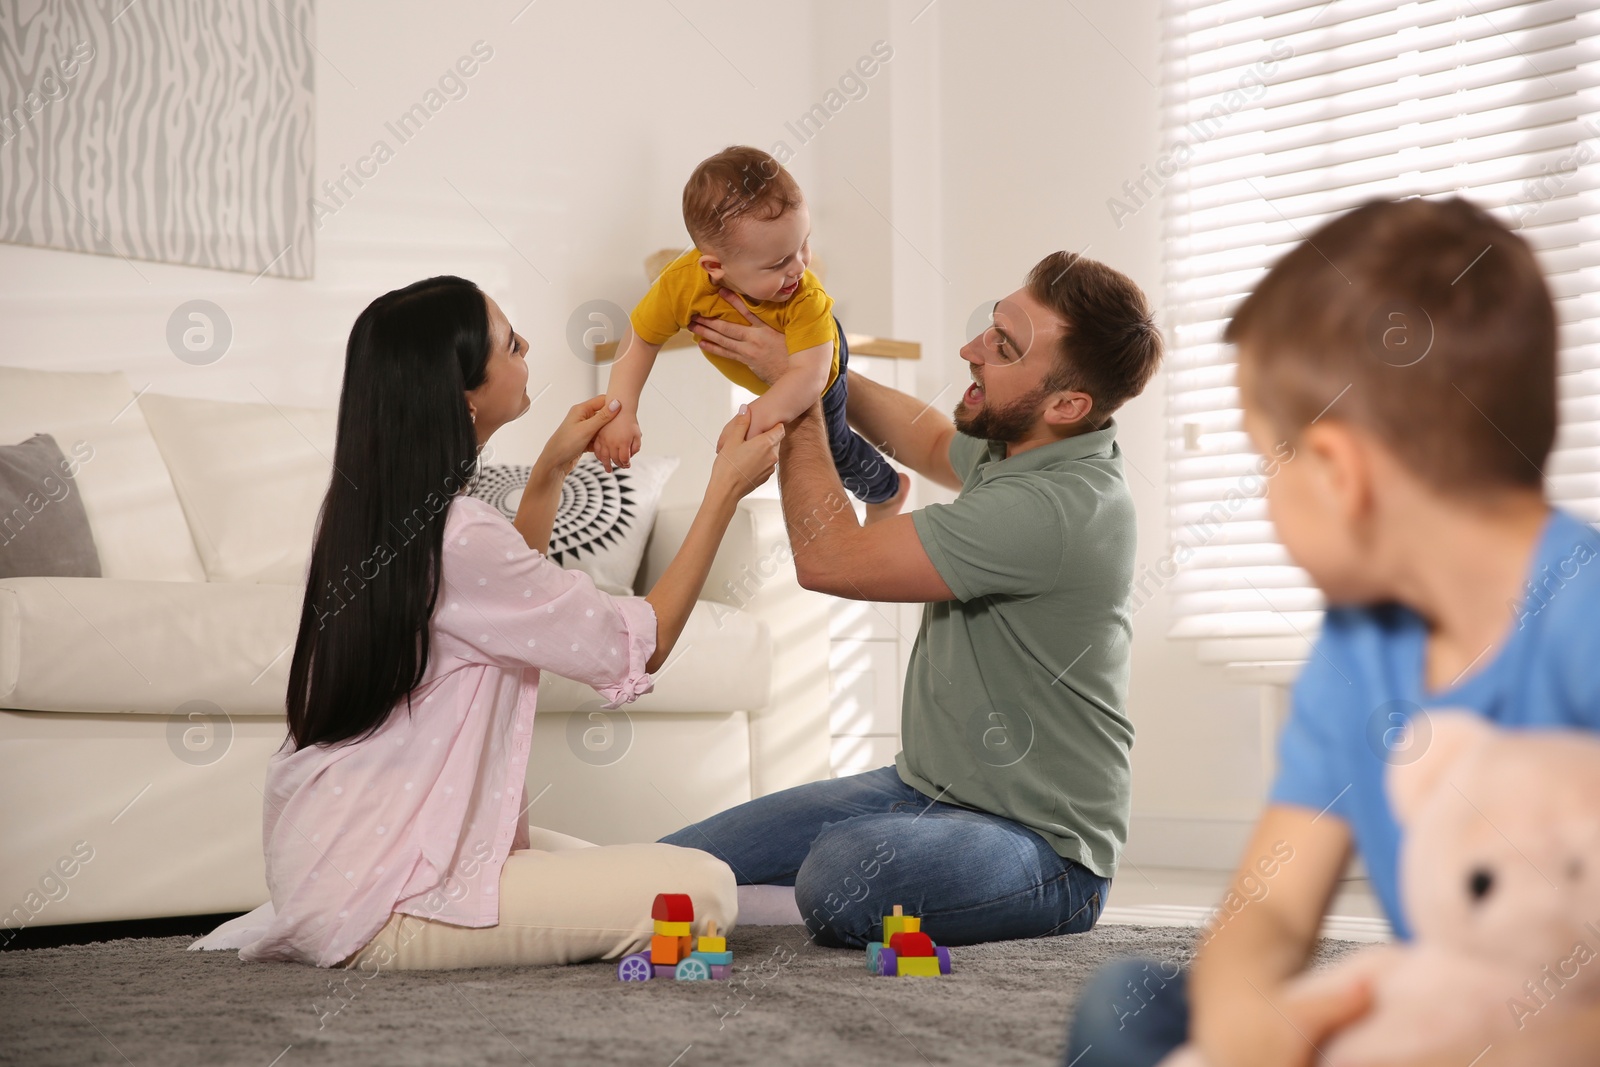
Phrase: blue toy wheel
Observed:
(635, 968)
(944, 959)
(692, 970)
(888, 963)
(873, 948)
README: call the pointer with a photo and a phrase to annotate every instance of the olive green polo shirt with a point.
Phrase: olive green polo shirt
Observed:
(1015, 698)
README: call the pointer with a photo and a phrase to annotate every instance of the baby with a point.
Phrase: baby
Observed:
(752, 235)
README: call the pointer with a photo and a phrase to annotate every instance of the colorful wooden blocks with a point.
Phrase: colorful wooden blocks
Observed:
(900, 923)
(912, 944)
(673, 951)
(669, 950)
(710, 942)
(673, 908)
(905, 950)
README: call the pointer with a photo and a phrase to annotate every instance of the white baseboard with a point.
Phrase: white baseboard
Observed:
(1197, 842)
(1344, 927)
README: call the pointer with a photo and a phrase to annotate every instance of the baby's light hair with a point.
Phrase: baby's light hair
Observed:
(738, 182)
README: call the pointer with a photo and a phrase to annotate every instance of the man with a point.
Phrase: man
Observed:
(1005, 813)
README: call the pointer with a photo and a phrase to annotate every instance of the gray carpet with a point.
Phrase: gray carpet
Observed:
(147, 1001)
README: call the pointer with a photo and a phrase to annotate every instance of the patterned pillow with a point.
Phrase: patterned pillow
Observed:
(603, 520)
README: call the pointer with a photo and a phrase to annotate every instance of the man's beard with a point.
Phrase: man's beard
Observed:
(1009, 424)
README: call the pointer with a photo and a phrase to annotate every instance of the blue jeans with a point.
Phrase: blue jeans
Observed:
(862, 468)
(1130, 1014)
(854, 847)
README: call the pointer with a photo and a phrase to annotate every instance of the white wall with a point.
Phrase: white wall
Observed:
(547, 183)
(1044, 113)
(992, 137)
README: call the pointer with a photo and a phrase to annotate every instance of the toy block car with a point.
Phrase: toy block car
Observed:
(909, 952)
(673, 954)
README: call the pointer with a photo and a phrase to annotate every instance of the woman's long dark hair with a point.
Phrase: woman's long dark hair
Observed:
(406, 445)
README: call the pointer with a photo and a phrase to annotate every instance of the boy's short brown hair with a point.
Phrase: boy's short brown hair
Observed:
(736, 183)
(1111, 346)
(1425, 322)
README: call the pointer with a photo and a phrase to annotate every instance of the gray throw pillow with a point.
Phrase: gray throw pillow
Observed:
(44, 531)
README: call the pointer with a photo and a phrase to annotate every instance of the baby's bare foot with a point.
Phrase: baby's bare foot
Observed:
(892, 506)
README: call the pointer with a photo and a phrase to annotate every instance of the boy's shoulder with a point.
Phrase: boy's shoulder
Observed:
(1554, 617)
(1564, 585)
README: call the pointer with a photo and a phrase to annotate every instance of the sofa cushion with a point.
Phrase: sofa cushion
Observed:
(251, 478)
(43, 527)
(722, 662)
(103, 645)
(127, 494)
(99, 645)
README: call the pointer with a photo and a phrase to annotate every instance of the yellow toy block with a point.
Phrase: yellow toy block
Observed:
(918, 966)
(900, 923)
(709, 941)
(666, 929)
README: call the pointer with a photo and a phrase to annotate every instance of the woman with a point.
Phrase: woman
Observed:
(395, 815)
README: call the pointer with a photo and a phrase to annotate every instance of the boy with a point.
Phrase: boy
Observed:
(1407, 353)
(752, 235)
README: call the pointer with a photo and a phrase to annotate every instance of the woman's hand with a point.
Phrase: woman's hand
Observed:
(575, 436)
(758, 346)
(742, 465)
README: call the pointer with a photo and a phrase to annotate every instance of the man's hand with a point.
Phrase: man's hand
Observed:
(757, 345)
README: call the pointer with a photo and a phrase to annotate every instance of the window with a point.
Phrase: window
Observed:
(1281, 114)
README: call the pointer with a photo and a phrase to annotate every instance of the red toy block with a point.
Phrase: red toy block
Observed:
(673, 908)
(911, 944)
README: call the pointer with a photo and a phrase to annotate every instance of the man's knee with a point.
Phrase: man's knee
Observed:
(839, 887)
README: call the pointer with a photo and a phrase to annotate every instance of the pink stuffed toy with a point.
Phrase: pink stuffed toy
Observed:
(1500, 876)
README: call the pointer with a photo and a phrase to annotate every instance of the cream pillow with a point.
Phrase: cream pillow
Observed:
(251, 478)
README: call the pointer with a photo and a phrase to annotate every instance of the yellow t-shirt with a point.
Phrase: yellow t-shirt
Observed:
(684, 290)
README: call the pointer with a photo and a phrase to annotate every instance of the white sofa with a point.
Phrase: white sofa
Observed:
(138, 709)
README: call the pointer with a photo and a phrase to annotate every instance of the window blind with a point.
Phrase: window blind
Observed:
(1278, 115)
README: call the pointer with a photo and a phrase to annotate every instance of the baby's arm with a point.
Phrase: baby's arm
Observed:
(620, 438)
(795, 391)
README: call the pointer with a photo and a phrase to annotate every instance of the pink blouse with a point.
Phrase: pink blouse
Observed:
(420, 816)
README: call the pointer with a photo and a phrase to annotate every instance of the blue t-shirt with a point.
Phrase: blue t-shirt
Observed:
(1364, 684)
